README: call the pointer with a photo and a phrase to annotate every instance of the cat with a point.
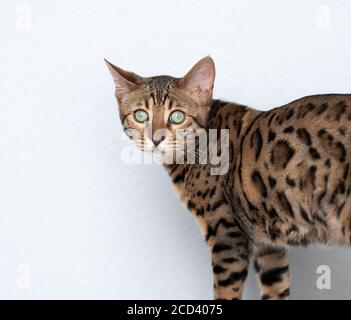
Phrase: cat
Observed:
(288, 181)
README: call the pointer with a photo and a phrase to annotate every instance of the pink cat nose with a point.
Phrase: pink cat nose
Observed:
(158, 141)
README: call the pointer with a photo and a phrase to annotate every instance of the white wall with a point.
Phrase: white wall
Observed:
(82, 223)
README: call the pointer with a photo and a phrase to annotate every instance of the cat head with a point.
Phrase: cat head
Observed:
(154, 109)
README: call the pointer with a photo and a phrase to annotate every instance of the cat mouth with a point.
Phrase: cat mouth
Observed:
(161, 150)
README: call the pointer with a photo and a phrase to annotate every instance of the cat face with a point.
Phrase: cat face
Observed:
(156, 111)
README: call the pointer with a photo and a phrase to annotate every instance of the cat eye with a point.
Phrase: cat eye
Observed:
(141, 116)
(177, 117)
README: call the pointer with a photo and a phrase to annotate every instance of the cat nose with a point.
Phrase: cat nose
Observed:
(158, 141)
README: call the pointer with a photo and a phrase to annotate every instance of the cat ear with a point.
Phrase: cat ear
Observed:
(125, 81)
(199, 80)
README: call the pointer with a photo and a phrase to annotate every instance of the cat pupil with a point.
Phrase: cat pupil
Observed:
(141, 116)
(177, 117)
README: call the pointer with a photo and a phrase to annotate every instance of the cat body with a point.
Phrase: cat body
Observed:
(288, 180)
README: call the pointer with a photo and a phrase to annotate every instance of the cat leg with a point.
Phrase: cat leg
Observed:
(272, 270)
(231, 252)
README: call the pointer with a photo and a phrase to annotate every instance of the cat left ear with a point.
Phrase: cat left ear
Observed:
(125, 81)
(199, 80)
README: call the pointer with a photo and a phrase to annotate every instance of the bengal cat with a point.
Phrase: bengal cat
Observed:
(288, 181)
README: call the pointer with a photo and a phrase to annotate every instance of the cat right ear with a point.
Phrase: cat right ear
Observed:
(199, 80)
(125, 81)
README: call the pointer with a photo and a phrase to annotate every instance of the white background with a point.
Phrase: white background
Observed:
(75, 220)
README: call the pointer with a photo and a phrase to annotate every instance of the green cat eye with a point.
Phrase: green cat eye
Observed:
(141, 116)
(177, 117)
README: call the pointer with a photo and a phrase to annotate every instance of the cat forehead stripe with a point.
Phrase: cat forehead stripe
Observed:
(160, 85)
